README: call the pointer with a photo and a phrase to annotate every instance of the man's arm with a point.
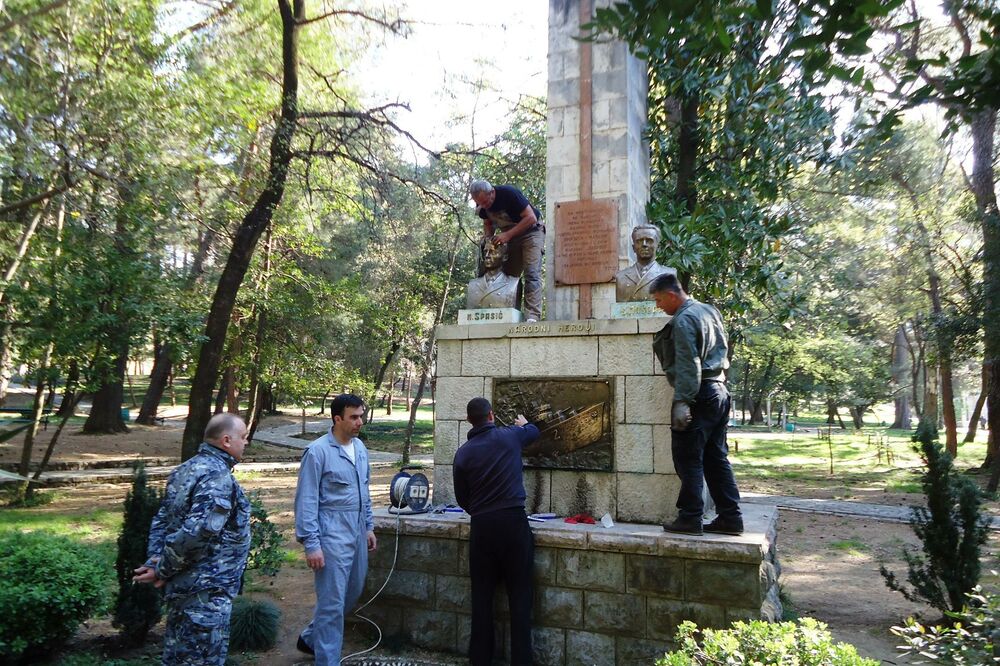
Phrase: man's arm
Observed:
(529, 432)
(687, 360)
(307, 502)
(527, 221)
(211, 504)
(461, 487)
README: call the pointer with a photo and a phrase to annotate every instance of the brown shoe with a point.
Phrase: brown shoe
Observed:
(682, 526)
(723, 526)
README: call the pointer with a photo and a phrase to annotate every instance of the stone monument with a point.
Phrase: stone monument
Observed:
(632, 283)
(603, 595)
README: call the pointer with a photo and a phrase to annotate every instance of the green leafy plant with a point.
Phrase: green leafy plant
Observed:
(50, 585)
(806, 643)
(138, 606)
(254, 625)
(972, 638)
(266, 554)
(951, 529)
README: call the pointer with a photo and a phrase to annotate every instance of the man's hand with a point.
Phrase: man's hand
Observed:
(146, 574)
(372, 542)
(503, 237)
(680, 417)
(520, 421)
(315, 560)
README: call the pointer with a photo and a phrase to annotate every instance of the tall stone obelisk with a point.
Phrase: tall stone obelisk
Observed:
(597, 163)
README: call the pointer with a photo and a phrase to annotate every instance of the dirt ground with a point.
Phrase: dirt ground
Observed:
(829, 570)
(150, 443)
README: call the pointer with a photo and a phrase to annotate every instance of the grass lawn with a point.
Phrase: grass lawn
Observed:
(851, 461)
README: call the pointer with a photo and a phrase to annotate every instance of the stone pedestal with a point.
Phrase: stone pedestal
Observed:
(602, 596)
(642, 485)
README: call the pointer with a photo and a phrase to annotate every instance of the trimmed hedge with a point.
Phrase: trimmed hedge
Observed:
(50, 585)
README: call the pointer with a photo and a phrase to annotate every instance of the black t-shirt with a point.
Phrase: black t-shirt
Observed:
(507, 206)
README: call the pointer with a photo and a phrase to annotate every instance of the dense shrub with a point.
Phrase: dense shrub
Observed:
(49, 586)
(266, 555)
(971, 638)
(804, 643)
(137, 609)
(951, 529)
(254, 625)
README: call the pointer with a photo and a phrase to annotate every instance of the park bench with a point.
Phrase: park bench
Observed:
(23, 415)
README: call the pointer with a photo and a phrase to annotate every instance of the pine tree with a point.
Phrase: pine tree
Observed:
(951, 529)
(138, 607)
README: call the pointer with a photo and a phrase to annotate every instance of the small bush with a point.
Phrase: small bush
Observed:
(50, 585)
(951, 529)
(254, 625)
(973, 638)
(266, 554)
(138, 607)
(805, 643)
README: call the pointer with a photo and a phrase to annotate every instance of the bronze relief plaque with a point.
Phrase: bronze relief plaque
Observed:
(586, 242)
(575, 417)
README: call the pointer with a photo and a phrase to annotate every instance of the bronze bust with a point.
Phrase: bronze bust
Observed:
(495, 289)
(632, 283)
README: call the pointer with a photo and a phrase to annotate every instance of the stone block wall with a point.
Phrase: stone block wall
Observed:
(602, 596)
(643, 485)
(620, 157)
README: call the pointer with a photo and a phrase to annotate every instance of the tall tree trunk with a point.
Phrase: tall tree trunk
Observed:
(388, 396)
(977, 411)
(983, 187)
(900, 371)
(688, 147)
(71, 395)
(220, 395)
(390, 358)
(106, 410)
(25, 489)
(158, 377)
(249, 232)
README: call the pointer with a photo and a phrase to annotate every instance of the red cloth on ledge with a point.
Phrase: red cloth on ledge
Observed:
(582, 518)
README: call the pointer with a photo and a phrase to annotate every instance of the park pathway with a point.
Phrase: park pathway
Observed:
(882, 512)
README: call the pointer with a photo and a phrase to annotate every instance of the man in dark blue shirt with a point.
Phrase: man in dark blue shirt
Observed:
(489, 485)
(508, 217)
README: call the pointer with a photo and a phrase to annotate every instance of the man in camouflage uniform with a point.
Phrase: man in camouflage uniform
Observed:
(198, 547)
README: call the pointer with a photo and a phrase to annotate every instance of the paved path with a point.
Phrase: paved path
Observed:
(892, 514)
(285, 436)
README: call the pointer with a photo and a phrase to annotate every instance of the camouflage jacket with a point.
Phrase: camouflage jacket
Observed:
(200, 538)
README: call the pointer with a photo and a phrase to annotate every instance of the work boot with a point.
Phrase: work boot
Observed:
(302, 646)
(684, 526)
(720, 525)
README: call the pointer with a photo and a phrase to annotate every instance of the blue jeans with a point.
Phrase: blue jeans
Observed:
(524, 255)
(700, 456)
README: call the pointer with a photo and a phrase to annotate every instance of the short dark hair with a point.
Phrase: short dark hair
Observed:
(478, 410)
(343, 400)
(666, 282)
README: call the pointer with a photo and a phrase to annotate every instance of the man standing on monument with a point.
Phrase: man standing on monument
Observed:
(489, 485)
(508, 217)
(632, 283)
(693, 351)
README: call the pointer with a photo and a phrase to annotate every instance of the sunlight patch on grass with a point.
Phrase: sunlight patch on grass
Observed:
(853, 547)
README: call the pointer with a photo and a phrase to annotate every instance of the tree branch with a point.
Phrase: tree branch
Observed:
(18, 20)
(394, 27)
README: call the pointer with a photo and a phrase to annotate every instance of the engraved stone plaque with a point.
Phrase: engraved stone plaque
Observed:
(586, 242)
(574, 416)
(636, 310)
(489, 316)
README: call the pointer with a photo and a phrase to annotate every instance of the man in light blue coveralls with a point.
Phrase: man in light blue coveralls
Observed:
(333, 521)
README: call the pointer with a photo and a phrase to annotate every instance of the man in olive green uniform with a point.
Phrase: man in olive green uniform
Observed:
(693, 351)
(198, 547)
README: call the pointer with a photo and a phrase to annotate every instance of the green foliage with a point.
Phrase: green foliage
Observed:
(969, 638)
(92, 659)
(254, 625)
(266, 553)
(138, 606)
(805, 643)
(50, 585)
(951, 529)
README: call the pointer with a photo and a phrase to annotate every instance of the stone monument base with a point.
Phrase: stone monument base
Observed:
(636, 310)
(602, 595)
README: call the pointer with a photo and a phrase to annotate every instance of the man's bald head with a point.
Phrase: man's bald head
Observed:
(228, 433)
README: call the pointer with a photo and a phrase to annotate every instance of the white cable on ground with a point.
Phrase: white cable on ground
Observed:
(357, 612)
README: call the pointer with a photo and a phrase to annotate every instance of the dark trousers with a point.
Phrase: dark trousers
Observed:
(501, 547)
(701, 453)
